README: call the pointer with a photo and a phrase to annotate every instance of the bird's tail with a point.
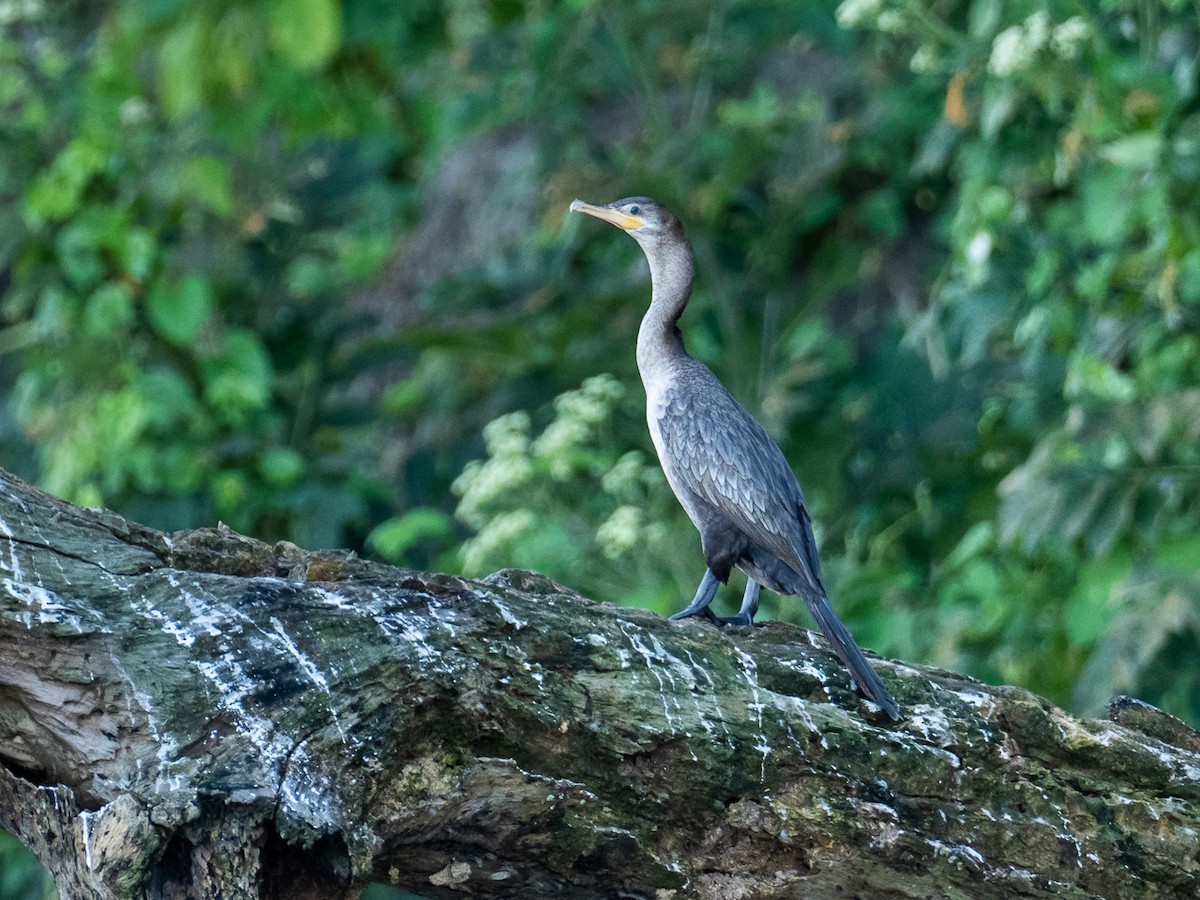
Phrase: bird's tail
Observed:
(843, 645)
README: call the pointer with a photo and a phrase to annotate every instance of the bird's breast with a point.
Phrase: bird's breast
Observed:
(657, 400)
(655, 408)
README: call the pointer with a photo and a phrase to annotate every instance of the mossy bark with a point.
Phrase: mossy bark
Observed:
(201, 714)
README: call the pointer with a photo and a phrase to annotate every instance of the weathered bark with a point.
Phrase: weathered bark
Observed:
(201, 714)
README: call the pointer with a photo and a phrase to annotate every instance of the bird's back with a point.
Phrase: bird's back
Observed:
(719, 459)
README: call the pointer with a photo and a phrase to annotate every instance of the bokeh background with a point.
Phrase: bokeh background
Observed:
(305, 267)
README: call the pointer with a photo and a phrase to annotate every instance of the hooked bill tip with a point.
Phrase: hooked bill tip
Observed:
(576, 204)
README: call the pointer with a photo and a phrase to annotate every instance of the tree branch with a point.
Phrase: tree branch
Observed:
(202, 714)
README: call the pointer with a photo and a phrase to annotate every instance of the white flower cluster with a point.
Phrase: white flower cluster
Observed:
(500, 532)
(858, 13)
(592, 402)
(979, 249)
(1016, 48)
(1069, 37)
(135, 111)
(20, 11)
(577, 413)
(924, 60)
(507, 435)
(871, 14)
(507, 467)
(620, 532)
(561, 437)
(511, 455)
(628, 477)
(509, 497)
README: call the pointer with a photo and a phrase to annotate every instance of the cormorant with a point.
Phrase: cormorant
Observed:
(729, 475)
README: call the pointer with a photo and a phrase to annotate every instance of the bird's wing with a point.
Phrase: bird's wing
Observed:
(721, 454)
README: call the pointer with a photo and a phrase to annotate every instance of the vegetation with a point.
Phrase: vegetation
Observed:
(281, 264)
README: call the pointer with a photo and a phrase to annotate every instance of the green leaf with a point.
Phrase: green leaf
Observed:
(1189, 277)
(178, 311)
(281, 466)
(107, 310)
(136, 253)
(1137, 151)
(1089, 610)
(78, 254)
(54, 315)
(181, 67)
(229, 490)
(167, 396)
(1105, 206)
(57, 192)
(393, 538)
(239, 376)
(979, 537)
(1090, 376)
(206, 178)
(306, 32)
(999, 101)
(1180, 553)
(307, 276)
(237, 41)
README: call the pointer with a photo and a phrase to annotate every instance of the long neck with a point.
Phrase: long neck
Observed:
(659, 342)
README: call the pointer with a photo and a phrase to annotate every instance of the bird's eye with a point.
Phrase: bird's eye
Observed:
(634, 210)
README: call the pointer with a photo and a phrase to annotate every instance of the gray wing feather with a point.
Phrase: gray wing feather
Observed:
(723, 456)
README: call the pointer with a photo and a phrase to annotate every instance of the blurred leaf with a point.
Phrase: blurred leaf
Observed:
(238, 377)
(1091, 376)
(207, 180)
(177, 311)
(281, 466)
(167, 397)
(1138, 151)
(182, 61)
(307, 32)
(57, 191)
(393, 538)
(1090, 609)
(999, 101)
(1180, 553)
(230, 491)
(21, 877)
(137, 252)
(1105, 206)
(238, 36)
(78, 254)
(110, 308)
(980, 537)
(1189, 276)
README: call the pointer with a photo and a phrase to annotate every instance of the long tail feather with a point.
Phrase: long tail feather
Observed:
(843, 645)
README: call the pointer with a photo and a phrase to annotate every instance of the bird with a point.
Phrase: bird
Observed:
(728, 474)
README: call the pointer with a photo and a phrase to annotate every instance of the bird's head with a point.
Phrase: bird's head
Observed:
(645, 220)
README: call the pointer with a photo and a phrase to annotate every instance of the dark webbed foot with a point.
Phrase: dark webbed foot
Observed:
(704, 596)
(745, 615)
(738, 621)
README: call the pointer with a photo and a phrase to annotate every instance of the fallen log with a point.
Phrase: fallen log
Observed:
(201, 714)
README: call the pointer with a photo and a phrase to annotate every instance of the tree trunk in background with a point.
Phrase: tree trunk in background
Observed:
(204, 715)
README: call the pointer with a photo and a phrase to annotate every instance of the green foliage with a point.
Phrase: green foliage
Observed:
(1073, 230)
(569, 503)
(21, 878)
(280, 265)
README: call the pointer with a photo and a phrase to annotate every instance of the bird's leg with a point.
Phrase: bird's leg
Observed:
(745, 616)
(704, 596)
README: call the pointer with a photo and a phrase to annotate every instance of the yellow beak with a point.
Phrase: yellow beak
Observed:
(608, 214)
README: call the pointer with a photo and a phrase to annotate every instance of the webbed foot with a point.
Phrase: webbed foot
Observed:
(704, 596)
